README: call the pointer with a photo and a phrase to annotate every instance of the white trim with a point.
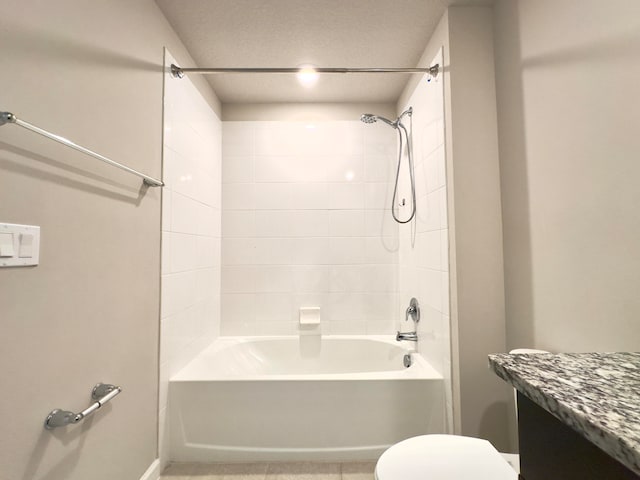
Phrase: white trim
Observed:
(153, 472)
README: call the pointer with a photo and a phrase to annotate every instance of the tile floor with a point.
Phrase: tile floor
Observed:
(270, 471)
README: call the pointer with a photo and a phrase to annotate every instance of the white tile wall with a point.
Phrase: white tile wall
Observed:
(304, 224)
(423, 253)
(191, 233)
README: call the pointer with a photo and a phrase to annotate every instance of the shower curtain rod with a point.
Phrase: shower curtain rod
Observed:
(179, 72)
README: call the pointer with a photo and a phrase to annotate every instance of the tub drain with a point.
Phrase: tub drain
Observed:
(407, 360)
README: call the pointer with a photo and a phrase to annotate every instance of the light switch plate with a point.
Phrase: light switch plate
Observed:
(25, 251)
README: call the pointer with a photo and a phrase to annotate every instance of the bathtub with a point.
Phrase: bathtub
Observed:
(330, 398)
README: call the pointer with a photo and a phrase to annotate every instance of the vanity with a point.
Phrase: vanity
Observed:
(578, 414)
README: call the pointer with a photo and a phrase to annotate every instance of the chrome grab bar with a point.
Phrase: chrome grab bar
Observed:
(101, 394)
(8, 117)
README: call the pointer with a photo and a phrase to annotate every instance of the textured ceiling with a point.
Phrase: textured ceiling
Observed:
(289, 33)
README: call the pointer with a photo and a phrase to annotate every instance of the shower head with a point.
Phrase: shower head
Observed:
(368, 118)
(371, 118)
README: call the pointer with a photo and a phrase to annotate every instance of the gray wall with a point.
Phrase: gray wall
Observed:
(89, 311)
(476, 228)
(568, 77)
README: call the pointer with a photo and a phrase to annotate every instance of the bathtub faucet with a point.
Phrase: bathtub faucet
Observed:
(413, 311)
(409, 336)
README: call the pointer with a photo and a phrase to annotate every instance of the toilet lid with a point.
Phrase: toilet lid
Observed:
(443, 457)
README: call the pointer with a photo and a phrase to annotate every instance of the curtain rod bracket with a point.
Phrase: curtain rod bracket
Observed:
(176, 71)
(7, 117)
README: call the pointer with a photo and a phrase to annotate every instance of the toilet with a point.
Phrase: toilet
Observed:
(447, 457)
(443, 457)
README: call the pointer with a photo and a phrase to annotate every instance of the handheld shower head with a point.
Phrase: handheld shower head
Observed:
(404, 135)
(371, 118)
(368, 118)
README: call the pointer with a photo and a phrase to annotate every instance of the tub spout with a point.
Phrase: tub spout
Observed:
(409, 336)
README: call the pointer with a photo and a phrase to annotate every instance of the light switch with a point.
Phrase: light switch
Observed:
(19, 245)
(25, 248)
(6, 245)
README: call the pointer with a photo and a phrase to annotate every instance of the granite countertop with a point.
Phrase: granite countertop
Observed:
(596, 394)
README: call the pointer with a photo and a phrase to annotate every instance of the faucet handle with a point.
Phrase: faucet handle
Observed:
(413, 310)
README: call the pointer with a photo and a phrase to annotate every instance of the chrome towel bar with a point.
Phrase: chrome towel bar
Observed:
(8, 117)
(101, 394)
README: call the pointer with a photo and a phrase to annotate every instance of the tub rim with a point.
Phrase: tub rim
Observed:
(419, 370)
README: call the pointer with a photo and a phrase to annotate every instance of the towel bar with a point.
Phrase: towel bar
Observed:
(8, 118)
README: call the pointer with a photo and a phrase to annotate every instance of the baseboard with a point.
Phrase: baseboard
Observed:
(153, 472)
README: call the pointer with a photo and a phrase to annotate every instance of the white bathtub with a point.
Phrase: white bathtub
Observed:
(333, 398)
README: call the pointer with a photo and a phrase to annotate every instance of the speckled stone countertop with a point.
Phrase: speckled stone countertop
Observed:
(596, 394)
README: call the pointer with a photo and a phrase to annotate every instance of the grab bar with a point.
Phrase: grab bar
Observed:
(101, 394)
(8, 117)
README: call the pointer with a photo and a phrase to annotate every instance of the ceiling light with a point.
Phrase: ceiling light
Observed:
(307, 76)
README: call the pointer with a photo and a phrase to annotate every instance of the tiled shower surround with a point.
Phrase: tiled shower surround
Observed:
(191, 234)
(191, 226)
(261, 218)
(305, 224)
(423, 270)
